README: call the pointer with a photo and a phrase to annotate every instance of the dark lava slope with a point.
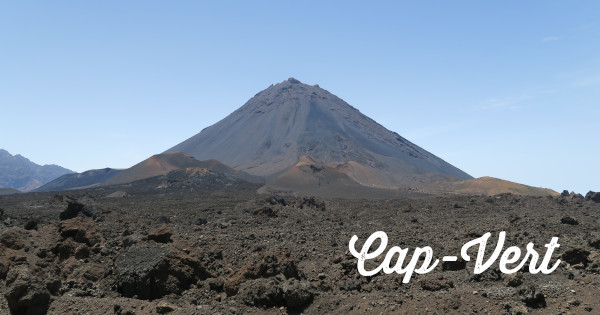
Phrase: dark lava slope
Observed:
(76, 180)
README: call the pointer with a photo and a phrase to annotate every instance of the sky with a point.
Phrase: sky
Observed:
(509, 89)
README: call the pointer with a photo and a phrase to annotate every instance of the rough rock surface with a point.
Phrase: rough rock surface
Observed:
(269, 265)
(72, 210)
(142, 271)
(272, 292)
(152, 270)
(593, 196)
(81, 230)
(25, 293)
(294, 262)
(161, 235)
(13, 238)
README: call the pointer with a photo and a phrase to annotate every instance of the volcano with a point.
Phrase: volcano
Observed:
(292, 122)
(162, 164)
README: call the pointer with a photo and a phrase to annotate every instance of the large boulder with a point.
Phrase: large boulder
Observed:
(569, 220)
(12, 241)
(576, 256)
(82, 230)
(75, 209)
(25, 293)
(593, 196)
(297, 294)
(5, 264)
(142, 271)
(72, 210)
(161, 234)
(152, 270)
(270, 265)
(14, 238)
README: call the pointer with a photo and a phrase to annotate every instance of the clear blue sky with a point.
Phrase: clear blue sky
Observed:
(509, 89)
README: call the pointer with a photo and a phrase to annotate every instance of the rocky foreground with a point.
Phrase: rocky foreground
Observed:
(232, 253)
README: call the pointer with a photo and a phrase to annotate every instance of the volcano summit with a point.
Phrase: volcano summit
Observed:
(292, 124)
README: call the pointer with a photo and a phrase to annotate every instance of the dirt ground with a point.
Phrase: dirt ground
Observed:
(232, 251)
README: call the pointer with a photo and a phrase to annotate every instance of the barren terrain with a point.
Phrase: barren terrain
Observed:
(217, 247)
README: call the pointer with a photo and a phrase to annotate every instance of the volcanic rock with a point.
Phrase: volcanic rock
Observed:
(25, 293)
(577, 196)
(349, 285)
(297, 293)
(594, 240)
(72, 210)
(152, 270)
(575, 256)
(164, 308)
(161, 234)
(436, 284)
(204, 265)
(272, 292)
(142, 271)
(265, 212)
(31, 225)
(201, 221)
(533, 298)
(81, 230)
(459, 264)
(513, 280)
(261, 292)
(275, 200)
(130, 240)
(14, 238)
(269, 266)
(593, 196)
(569, 220)
(5, 264)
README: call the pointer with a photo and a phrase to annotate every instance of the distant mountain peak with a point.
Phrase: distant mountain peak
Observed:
(17, 171)
(290, 122)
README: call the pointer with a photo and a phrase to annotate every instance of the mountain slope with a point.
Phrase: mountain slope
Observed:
(8, 191)
(270, 133)
(162, 164)
(490, 186)
(314, 178)
(191, 179)
(87, 178)
(20, 173)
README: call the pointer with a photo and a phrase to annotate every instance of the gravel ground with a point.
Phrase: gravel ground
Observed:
(228, 250)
